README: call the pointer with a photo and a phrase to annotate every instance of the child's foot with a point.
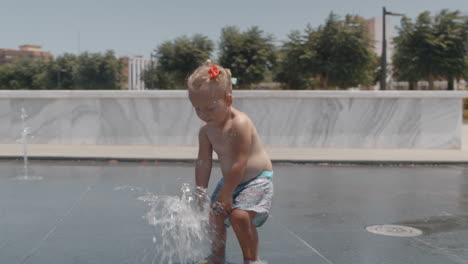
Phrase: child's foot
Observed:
(212, 259)
(251, 262)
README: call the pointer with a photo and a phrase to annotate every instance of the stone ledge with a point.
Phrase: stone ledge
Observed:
(277, 154)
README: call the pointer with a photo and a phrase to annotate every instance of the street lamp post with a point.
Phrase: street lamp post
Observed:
(383, 79)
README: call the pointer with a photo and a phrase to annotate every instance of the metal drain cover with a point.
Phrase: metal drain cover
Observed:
(394, 230)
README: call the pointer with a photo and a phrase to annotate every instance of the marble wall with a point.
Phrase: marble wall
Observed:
(337, 119)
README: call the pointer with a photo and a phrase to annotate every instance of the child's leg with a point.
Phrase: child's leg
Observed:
(218, 239)
(246, 233)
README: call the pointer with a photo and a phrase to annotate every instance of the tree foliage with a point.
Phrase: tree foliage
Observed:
(175, 60)
(249, 55)
(292, 66)
(343, 53)
(96, 71)
(339, 53)
(71, 72)
(432, 48)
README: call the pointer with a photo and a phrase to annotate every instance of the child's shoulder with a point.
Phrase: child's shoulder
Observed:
(203, 130)
(207, 129)
(241, 119)
(242, 122)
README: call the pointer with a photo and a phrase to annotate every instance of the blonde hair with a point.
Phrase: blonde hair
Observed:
(200, 79)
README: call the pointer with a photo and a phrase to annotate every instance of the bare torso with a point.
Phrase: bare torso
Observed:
(221, 140)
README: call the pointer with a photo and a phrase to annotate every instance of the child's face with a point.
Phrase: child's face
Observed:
(210, 108)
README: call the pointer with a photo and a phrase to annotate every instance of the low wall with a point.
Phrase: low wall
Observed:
(323, 119)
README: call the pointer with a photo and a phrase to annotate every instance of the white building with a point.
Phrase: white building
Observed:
(376, 34)
(375, 26)
(135, 66)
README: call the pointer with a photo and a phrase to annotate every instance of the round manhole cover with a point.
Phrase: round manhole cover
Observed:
(394, 230)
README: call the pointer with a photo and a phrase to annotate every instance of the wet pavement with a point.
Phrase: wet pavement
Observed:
(319, 214)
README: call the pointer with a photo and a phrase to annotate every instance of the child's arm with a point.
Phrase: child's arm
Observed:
(241, 143)
(204, 160)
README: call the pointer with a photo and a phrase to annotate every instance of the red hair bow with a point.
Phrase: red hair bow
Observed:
(213, 71)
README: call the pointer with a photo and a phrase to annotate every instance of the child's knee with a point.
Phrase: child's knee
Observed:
(218, 218)
(241, 218)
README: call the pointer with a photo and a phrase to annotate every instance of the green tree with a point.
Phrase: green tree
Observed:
(97, 71)
(452, 31)
(6, 73)
(339, 53)
(293, 58)
(24, 74)
(432, 48)
(87, 71)
(63, 72)
(403, 64)
(54, 74)
(343, 54)
(175, 60)
(249, 55)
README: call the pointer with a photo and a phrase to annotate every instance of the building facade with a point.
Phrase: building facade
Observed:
(375, 26)
(33, 52)
(375, 31)
(133, 70)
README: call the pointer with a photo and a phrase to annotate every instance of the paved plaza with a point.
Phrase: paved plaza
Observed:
(320, 213)
(324, 201)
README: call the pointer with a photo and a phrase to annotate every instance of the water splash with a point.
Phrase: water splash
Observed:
(24, 143)
(180, 225)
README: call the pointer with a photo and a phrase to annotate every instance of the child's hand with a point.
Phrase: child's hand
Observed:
(224, 204)
(202, 199)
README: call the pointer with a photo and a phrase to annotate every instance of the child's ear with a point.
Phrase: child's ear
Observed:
(228, 99)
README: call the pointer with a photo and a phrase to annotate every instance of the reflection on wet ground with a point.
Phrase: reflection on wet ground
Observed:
(89, 212)
(438, 224)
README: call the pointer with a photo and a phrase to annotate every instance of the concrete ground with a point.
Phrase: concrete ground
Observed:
(320, 211)
(278, 154)
(88, 212)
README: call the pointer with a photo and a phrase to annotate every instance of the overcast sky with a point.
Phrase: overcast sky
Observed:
(137, 27)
